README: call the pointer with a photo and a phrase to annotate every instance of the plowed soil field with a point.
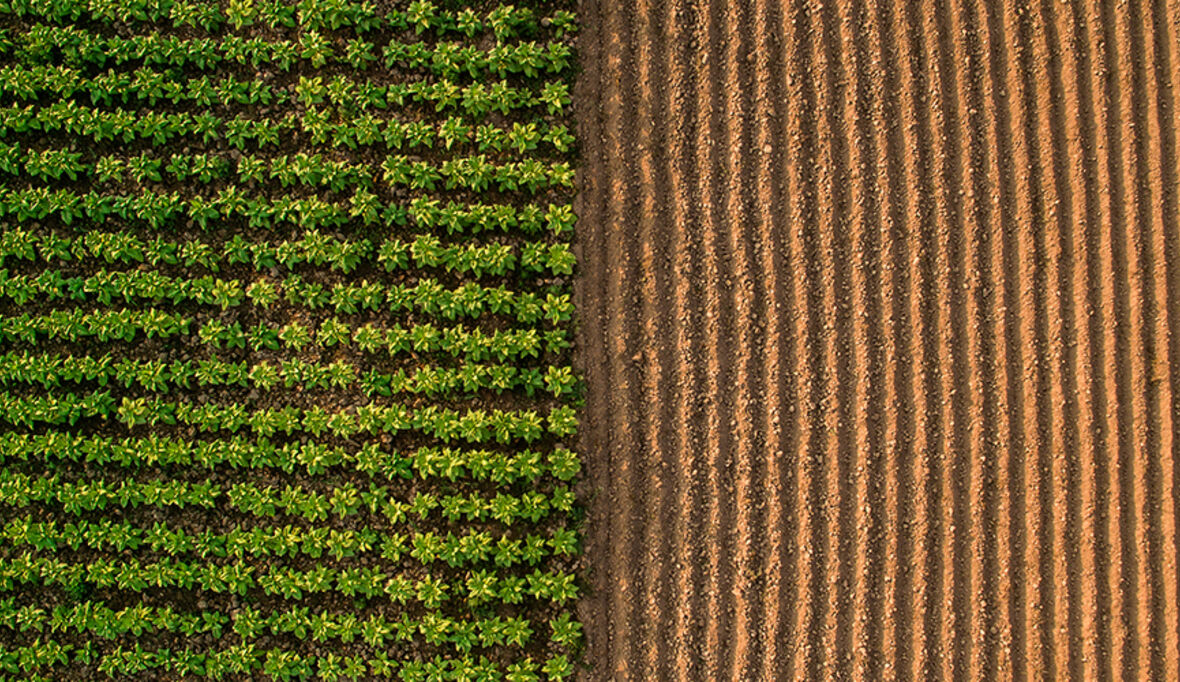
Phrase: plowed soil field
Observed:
(881, 327)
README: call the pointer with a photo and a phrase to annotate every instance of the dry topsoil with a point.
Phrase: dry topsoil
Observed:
(880, 309)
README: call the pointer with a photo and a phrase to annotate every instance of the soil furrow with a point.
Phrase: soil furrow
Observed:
(1095, 436)
(774, 462)
(1004, 481)
(677, 569)
(621, 469)
(588, 291)
(1051, 608)
(869, 349)
(929, 588)
(1109, 339)
(1167, 234)
(981, 388)
(715, 194)
(647, 361)
(1146, 387)
(1072, 149)
(740, 322)
(1065, 390)
(665, 529)
(794, 192)
(806, 242)
(700, 101)
(1119, 370)
(1031, 272)
(836, 269)
(952, 349)
(754, 331)
(899, 233)
(627, 329)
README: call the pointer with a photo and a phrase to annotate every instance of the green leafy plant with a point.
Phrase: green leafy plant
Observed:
(286, 325)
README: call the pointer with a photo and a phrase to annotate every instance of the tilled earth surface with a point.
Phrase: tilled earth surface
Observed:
(881, 325)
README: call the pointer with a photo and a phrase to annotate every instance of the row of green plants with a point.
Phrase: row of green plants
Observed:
(78, 498)
(107, 325)
(317, 124)
(50, 371)
(311, 170)
(424, 463)
(459, 341)
(472, 101)
(29, 83)
(160, 210)
(471, 426)
(75, 47)
(313, 248)
(275, 663)
(480, 588)
(475, 173)
(420, 16)
(97, 619)
(427, 296)
(465, 173)
(465, 549)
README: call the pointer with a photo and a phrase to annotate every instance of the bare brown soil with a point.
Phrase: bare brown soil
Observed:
(881, 327)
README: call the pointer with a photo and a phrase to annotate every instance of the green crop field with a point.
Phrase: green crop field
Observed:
(285, 340)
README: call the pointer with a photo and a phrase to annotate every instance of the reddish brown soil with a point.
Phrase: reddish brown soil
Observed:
(881, 328)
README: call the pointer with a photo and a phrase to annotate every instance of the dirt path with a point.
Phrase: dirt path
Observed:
(881, 327)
